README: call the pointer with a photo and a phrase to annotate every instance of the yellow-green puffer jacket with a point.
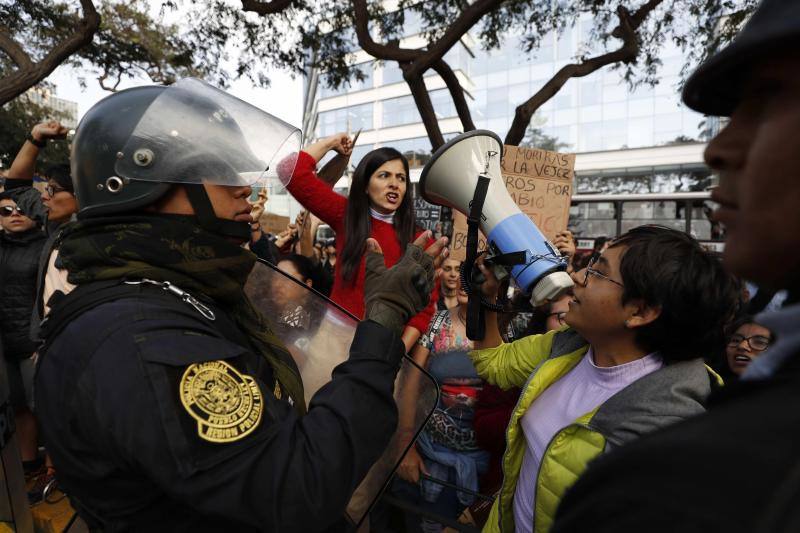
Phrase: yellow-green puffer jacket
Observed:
(673, 393)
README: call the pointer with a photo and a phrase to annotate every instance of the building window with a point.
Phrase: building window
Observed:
(416, 150)
(347, 118)
(403, 110)
(392, 72)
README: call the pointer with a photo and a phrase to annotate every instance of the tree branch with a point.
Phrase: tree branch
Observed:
(27, 76)
(365, 41)
(423, 101)
(627, 53)
(14, 50)
(456, 92)
(465, 21)
(266, 8)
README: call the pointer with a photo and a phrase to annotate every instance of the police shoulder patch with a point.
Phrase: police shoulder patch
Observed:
(227, 405)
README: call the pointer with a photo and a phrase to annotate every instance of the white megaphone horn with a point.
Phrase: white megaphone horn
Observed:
(450, 179)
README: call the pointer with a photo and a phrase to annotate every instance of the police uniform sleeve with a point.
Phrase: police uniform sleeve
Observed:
(197, 420)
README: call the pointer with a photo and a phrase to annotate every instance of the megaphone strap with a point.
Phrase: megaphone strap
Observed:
(476, 329)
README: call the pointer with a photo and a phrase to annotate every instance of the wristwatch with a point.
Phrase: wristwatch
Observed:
(40, 144)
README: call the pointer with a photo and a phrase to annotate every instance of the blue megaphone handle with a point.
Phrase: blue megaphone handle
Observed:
(519, 233)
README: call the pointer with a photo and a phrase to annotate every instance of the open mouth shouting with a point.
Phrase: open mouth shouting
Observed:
(393, 198)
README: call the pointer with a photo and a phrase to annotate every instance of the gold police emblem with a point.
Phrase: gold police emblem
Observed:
(226, 404)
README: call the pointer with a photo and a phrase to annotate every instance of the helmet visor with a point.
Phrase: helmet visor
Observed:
(196, 133)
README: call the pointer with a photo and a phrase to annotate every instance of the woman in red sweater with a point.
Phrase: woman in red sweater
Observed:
(379, 206)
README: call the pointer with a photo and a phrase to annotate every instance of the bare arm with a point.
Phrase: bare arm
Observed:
(412, 464)
(410, 337)
(24, 164)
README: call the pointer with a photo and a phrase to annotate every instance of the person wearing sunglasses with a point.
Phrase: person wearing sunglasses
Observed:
(59, 197)
(748, 341)
(628, 360)
(21, 243)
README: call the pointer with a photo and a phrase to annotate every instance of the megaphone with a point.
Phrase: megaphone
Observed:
(450, 179)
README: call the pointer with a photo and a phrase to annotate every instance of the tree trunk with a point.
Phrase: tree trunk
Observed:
(423, 101)
(456, 93)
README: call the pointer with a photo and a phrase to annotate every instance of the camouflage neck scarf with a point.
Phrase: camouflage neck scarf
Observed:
(164, 248)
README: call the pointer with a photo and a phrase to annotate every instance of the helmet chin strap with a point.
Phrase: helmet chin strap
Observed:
(208, 220)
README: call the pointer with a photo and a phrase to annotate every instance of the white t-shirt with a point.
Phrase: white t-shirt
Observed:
(581, 390)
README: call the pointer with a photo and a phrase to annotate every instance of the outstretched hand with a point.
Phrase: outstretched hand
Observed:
(394, 295)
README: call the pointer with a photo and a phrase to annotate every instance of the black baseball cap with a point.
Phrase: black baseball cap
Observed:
(715, 88)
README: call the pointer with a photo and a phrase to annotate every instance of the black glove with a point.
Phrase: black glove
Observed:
(394, 295)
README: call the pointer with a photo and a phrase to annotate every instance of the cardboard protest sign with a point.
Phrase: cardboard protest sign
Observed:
(426, 215)
(540, 182)
(458, 244)
(272, 223)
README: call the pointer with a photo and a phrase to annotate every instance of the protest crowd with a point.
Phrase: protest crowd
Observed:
(654, 395)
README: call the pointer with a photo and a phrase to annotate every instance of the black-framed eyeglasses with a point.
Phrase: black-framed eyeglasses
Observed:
(52, 190)
(593, 272)
(8, 210)
(757, 343)
(559, 316)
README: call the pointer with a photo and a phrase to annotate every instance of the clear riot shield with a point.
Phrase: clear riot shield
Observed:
(318, 333)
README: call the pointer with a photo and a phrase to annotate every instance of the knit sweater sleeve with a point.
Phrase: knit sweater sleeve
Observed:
(422, 320)
(314, 195)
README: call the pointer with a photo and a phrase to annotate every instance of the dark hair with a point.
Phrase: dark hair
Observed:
(669, 269)
(61, 174)
(358, 222)
(720, 362)
(738, 322)
(303, 265)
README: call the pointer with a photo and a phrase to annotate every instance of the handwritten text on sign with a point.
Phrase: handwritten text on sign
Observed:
(539, 182)
(426, 215)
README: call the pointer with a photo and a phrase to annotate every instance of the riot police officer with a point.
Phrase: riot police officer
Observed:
(165, 401)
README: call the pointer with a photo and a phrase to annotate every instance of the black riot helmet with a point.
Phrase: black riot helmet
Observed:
(131, 147)
(100, 136)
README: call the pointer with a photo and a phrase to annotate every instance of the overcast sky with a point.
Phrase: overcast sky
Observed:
(284, 98)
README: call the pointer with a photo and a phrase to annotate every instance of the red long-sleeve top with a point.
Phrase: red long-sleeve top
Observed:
(331, 207)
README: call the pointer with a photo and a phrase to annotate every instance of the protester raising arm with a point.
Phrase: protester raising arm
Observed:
(24, 163)
(379, 206)
(310, 191)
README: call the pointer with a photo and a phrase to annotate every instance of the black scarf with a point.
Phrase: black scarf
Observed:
(166, 248)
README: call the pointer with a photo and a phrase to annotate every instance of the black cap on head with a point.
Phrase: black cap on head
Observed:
(716, 86)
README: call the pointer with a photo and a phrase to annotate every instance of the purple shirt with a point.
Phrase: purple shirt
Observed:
(581, 390)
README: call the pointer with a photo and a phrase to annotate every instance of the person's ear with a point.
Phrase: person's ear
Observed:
(640, 314)
(309, 282)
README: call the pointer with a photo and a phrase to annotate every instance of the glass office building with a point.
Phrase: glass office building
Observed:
(641, 140)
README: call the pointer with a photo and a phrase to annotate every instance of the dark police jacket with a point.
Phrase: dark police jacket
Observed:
(120, 395)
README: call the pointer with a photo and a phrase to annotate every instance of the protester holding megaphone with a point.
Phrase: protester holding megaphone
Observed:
(379, 206)
(642, 316)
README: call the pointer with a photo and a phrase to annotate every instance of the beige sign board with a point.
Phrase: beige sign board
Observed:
(272, 223)
(540, 182)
